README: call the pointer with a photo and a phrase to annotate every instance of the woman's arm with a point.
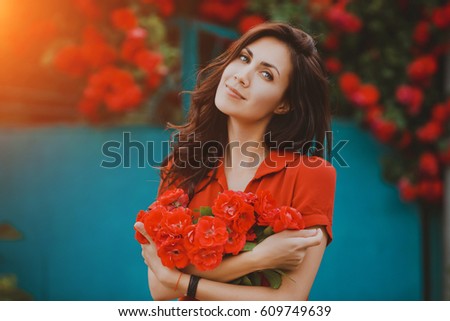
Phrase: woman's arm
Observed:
(163, 281)
(265, 255)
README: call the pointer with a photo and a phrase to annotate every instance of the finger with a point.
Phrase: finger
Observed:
(301, 233)
(314, 240)
(139, 226)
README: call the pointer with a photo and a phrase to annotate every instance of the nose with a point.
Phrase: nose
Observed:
(243, 78)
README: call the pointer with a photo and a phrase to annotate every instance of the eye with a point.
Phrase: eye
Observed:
(244, 58)
(267, 75)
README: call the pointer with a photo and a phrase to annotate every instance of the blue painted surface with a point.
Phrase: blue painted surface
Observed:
(77, 219)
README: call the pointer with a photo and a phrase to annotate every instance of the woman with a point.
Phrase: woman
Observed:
(259, 119)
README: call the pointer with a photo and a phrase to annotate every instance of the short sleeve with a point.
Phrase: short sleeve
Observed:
(314, 192)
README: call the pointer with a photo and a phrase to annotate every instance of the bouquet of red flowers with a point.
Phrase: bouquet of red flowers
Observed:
(236, 222)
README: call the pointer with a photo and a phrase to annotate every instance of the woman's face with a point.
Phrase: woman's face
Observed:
(252, 86)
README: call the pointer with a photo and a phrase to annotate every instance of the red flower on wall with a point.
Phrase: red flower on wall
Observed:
(222, 10)
(429, 164)
(88, 8)
(70, 60)
(408, 192)
(441, 16)
(349, 83)
(422, 33)
(124, 19)
(411, 97)
(430, 190)
(344, 21)
(333, 65)
(365, 95)
(165, 7)
(134, 42)
(115, 88)
(430, 132)
(422, 68)
(383, 129)
(249, 22)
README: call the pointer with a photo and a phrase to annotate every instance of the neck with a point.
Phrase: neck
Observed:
(246, 147)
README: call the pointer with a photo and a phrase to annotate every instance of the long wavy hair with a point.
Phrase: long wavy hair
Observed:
(199, 143)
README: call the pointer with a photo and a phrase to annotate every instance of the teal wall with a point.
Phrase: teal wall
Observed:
(77, 219)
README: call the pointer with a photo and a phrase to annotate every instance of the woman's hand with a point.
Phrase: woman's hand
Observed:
(286, 250)
(166, 276)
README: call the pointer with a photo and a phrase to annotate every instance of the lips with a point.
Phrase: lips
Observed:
(234, 92)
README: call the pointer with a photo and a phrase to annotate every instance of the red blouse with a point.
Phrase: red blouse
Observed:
(305, 183)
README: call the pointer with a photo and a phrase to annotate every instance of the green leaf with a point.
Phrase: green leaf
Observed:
(236, 282)
(248, 246)
(206, 211)
(273, 277)
(268, 231)
(285, 274)
(246, 281)
(255, 278)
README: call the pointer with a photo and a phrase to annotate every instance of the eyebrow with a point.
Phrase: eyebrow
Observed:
(262, 62)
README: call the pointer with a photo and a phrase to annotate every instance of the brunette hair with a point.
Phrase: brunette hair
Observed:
(305, 126)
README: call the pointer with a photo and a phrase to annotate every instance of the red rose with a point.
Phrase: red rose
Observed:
(349, 83)
(343, 20)
(206, 258)
(124, 19)
(429, 164)
(411, 97)
(148, 60)
(365, 95)
(373, 113)
(134, 42)
(176, 220)
(71, 61)
(115, 87)
(422, 33)
(235, 243)
(222, 10)
(431, 190)
(287, 218)
(249, 22)
(429, 132)
(211, 231)
(228, 205)
(96, 51)
(248, 198)
(440, 113)
(331, 42)
(264, 201)
(422, 68)
(153, 220)
(88, 7)
(165, 7)
(251, 236)
(441, 17)
(173, 198)
(173, 254)
(333, 65)
(408, 192)
(383, 129)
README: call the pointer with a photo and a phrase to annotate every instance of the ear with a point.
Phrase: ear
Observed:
(282, 109)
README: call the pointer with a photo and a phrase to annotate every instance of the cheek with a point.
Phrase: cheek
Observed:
(268, 96)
